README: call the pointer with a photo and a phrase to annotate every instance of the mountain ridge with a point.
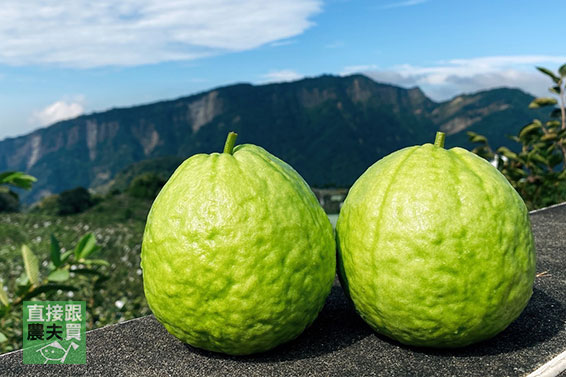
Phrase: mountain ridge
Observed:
(247, 84)
(330, 128)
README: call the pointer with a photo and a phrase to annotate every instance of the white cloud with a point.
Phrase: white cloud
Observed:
(400, 4)
(284, 42)
(83, 33)
(449, 78)
(280, 76)
(348, 70)
(57, 111)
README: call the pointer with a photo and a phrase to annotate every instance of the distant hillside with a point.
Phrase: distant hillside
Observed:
(495, 113)
(162, 166)
(329, 128)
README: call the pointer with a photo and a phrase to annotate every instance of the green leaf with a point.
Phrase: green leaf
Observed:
(3, 338)
(17, 179)
(537, 158)
(31, 265)
(515, 138)
(3, 296)
(535, 126)
(22, 280)
(550, 74)
(562, 70)
(59, 275)
(66, 255)
(478, 139)
(22, 284)
(507, 153)
(541, 102)
(100, 262)
(554, 89)
(91, 251)
(50, 288)
(549, 136)
(55, 251)
(520, 172)
(539, 145)
(85, 246)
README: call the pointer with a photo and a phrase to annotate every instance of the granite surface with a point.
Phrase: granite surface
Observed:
(339, 343)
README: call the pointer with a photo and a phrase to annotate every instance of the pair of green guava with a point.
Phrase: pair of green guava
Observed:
(434, 249)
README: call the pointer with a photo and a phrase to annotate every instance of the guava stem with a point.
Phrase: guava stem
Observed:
(230, 141)
(439, 140)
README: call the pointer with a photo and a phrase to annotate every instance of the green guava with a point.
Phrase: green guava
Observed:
(237, 255)
(435, 247)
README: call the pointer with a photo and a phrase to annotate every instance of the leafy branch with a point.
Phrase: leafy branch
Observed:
(538, 170)
(17, 179)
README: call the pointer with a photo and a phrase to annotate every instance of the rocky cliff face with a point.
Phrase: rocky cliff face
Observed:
(329, 128)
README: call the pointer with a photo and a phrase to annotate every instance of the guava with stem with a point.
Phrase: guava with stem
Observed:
(237, 254)
(435, 247)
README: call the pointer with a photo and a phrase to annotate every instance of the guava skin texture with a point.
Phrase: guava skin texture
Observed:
(435, 248)
(237, 255)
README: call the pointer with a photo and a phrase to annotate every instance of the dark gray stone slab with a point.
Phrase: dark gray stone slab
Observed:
(339, 343)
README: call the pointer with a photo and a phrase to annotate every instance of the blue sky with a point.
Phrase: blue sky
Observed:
(72, 57)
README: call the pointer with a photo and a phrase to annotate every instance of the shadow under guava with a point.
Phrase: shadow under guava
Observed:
(336, 327)
(540, 321)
